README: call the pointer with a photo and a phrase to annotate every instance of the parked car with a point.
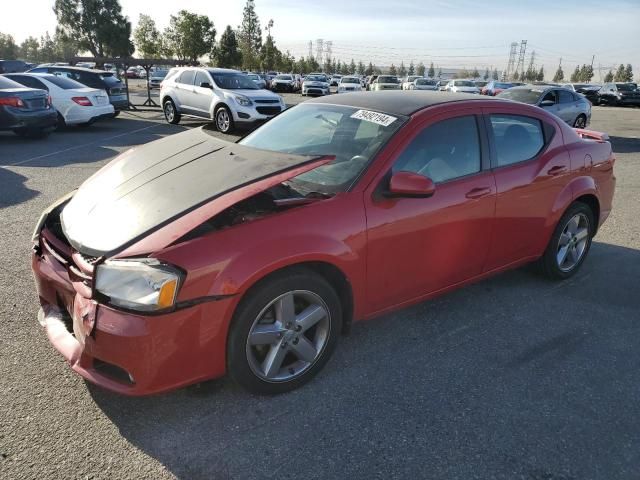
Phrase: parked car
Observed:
(258, 80)
(349, 84)
(228, 97)
(11, 66)
(408, 81)
(461, 86)
(370, 80)
(571, 107)
(25, 111)
(617, 93)
(75, 103)
(335, 80)
(155, 81)
(385, 82)
(589, 90)
(283, 83)
(215, 257)
(480, 84)
(494, 87)
(99, 79)
(424, 84)
(136, 72)
(315, 85)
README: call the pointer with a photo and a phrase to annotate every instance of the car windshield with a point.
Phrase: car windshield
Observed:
(353, 136)
(626, 87)
(64, 82)
(385, 79)
(284, 77)
(315, 78)
(424, 81)
(233, 81)
(254, 76)
(160, 73)
(524, 95)
(350, 80)
(502, 85)
(464, 83)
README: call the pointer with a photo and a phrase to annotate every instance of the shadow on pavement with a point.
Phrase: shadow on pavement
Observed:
(513, 377)
(625, 145)
(13, 189)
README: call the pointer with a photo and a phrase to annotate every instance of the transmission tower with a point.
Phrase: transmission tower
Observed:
(523, 51)
(328, 49)
(512, 61)
(319, 49)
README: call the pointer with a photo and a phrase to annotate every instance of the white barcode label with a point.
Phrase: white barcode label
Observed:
(374, 117)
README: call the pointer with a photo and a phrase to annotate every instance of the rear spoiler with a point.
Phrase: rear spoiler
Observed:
(592, 135)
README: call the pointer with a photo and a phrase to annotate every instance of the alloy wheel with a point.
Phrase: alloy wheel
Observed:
(572, 243)
(580, 122)
(169, 112)
(222, 120)
(288, 336)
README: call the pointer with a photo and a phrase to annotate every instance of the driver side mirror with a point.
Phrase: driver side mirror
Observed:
(206, 85)
(410, 185)
(547, 103)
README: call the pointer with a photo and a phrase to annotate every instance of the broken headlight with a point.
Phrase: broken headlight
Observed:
(143, 284)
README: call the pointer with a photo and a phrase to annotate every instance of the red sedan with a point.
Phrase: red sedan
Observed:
(192, 257)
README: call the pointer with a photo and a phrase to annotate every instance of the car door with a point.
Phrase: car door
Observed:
(184, 90)
(547, 98)
(567, 106)
(530, 165)
(202, 96)
(418, 246)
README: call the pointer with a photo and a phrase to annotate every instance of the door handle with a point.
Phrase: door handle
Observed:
(478, 192)
(557, 170)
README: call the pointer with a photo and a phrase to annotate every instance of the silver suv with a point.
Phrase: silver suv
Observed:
(228, 97)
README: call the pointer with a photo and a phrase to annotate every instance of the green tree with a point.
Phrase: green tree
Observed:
(345, 69)
(8, 48)
(439, 71)
(628, 73)
(608, 78)
(540, 76)
(393, 70)
(190, 36)
(250, 37)
(575, 76)
(516, 77)
(620, 75)
(97, 25)
(361, 68)
(412, 69)
(421, 69)
(147, 37)
(486, 75)
(369, 70)
(269, 54)
(494, 75)
(30, 49)
(334, 66)
(352, 67)
(312, 64)
(326, 66)
(475, 73)
(402, 71)
(287, 62)
(226, 53)
(338, 67)
(559, 76)
(301, 66)
(432, 72)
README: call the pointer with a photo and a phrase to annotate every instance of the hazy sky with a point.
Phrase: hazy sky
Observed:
(457, 33)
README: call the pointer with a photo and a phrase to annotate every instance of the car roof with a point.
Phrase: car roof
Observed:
(395, 102)
(76, 69)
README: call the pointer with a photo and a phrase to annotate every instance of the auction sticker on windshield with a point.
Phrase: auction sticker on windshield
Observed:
(374, 117)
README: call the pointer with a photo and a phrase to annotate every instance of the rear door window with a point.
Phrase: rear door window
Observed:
(30, 82)
(516, 138)
(565, 96)
(187, 77)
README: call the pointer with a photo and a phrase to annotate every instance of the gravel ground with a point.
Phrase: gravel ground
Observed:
(511, 378)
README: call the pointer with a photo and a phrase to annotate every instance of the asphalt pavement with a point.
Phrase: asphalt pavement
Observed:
(515, 377)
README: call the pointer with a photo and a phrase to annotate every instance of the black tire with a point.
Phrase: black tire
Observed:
(249, 309)
(171, 113)
(548, 263)
(224, 126)
(61, 123)
(580, 122)
(115, 114)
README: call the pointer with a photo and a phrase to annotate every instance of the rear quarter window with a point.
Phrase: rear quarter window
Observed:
(517, 138)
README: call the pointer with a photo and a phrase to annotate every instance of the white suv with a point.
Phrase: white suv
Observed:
(228, 97)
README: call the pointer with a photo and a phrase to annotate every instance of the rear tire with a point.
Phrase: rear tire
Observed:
(61, 123)
(171, 114)
(265, 351)
(580, 122)
(115, 114)
(569, 244)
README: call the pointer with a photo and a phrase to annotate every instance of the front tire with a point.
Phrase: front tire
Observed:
(283, 332)
(570, 243)
(224, 120)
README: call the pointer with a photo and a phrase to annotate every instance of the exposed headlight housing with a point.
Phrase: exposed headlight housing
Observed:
(143, 284)
(242, 100)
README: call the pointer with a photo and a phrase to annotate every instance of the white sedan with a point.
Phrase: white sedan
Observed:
(462, 86)
(76, 103)
(408, 82)
(349, 84)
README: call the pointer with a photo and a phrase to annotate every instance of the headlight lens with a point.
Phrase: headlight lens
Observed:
(142, 284)
(242, 100)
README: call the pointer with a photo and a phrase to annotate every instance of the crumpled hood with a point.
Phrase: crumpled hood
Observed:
(150, 186)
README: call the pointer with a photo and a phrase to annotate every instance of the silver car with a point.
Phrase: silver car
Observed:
(258, 80)
(571, 107)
